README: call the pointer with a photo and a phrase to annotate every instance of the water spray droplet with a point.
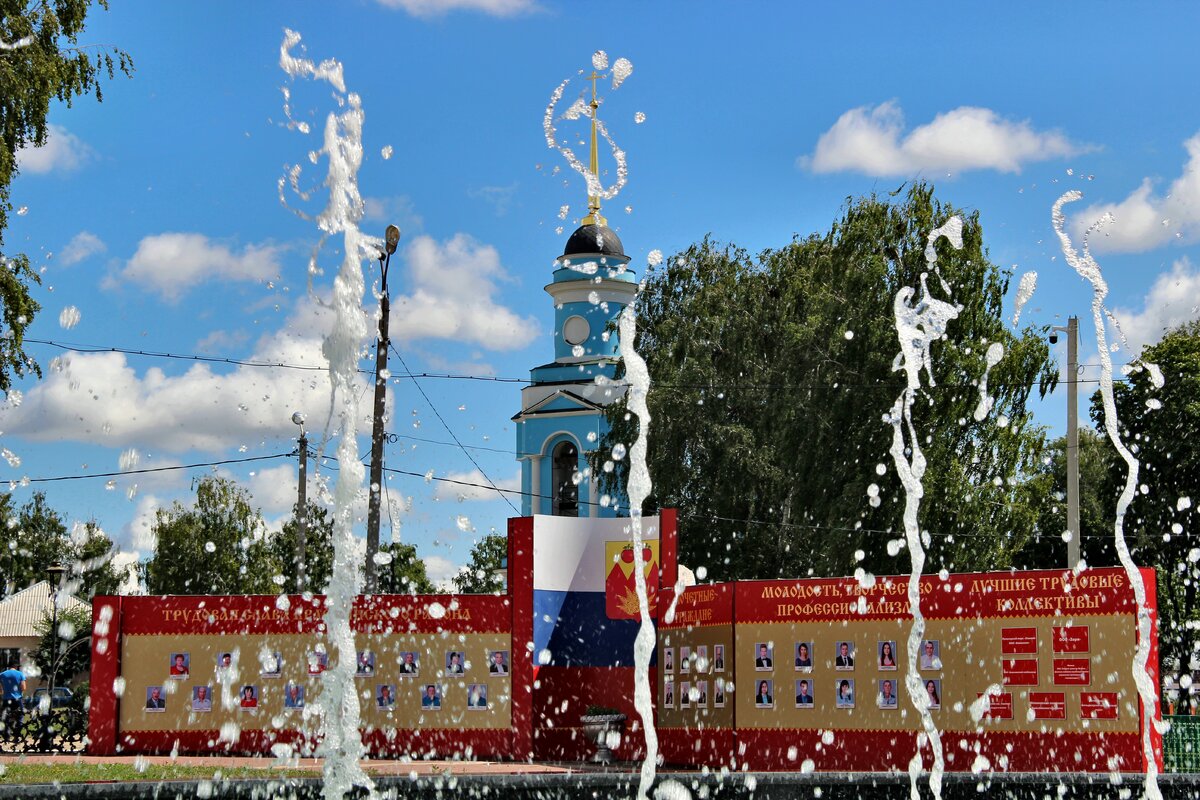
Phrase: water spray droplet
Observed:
(69, 317)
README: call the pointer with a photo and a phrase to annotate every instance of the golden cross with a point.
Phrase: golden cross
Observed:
(594, 217)
(595, 76)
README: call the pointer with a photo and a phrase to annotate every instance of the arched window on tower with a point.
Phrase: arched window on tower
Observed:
(565, 501)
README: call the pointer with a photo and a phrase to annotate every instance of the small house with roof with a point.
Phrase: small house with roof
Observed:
(20, 615)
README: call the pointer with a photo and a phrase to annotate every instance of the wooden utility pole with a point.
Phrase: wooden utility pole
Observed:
(375, 490)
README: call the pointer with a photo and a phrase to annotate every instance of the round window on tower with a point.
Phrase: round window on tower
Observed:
(576, 330)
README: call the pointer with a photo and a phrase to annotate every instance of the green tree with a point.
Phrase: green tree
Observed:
(770, 376)
(478, 576)
(42, 62)
(38, 537)
(94, 553)
(404, 572)
(217, 546)
(1046, 548)
(1160, 426)
(318, 549)
(69, 645)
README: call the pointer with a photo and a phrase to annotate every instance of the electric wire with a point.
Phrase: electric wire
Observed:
(839, 386)
(457, 443)
(492, 487)
(442, 420)
(147, 470)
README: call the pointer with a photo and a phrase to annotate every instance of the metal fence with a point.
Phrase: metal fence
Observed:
(63, 730)
(1181, 744)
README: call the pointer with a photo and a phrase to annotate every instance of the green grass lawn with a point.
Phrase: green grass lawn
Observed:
(84, 773)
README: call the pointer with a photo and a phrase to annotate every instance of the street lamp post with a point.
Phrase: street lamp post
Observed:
(375, 490)
(1072, 332)
(55, 573)
(301, 504)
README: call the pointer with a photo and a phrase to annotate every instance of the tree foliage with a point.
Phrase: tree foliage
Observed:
(68, 644)
(318, 549)
(403, 572)
(1160, 425)
(770, 377)
(478, 576)
(19, 308)
(93, 555)
(42, 62)
(216, 546)
(38, 538)
(220, 546)
(1046, 548)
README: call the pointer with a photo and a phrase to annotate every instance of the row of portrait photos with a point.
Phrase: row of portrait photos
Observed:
(887, 690)
(180, 664)
(804, 656)
(431, 695)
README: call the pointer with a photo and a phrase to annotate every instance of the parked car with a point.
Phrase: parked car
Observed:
(62, 698)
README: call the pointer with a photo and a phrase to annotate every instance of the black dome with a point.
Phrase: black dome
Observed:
(594, 240)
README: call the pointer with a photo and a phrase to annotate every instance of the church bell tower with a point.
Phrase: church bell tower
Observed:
(562, 410)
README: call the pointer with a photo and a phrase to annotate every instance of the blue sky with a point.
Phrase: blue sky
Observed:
(156, 214)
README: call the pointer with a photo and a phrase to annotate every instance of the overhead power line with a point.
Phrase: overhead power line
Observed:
(147, 470)
(838, 386)
(241, 362)
(438, 414)
(425, 476)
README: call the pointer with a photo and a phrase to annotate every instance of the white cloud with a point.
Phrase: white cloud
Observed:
(872, 141)
(62, 152)
(222, 341)
(1173, 300)
(275, 489)
(167, 479)
(453, 297)
(99, 398)
(469, 366)
(398, 209)
(1145, 220)
(435, 8)
(480, 491)
(126, 565)
(139, 531)
(81, 246)
(440, 570)
(499, 197)
(171, 263)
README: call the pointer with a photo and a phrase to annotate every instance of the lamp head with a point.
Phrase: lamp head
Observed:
(392, 238)
(298, 418)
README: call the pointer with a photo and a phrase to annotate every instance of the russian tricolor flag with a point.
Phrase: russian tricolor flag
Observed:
(585, 621)
(585, 611)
